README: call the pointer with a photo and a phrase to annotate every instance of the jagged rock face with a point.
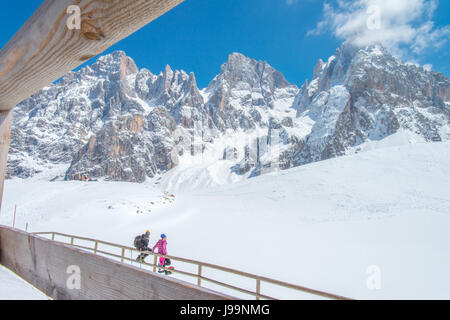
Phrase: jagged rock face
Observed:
(114, 121)
(125, 150)
(55, 123)
(243, 91)
(364, 94)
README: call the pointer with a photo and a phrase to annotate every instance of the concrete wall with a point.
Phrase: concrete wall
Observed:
(44, 264)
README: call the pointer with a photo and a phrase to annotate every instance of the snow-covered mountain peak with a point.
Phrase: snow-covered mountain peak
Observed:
(364, 94)
(349, 51)
(240, 68)
(113, 63)
(168, 72)
(238, 62)
(114, 121)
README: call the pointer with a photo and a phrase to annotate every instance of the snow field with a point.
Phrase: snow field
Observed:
(322, 225)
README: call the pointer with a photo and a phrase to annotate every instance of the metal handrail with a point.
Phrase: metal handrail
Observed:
(201, 265)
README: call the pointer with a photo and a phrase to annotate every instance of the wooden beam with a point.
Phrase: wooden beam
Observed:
(45, 49)
(5, 132)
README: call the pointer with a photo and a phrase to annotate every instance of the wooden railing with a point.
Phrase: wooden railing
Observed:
(199, 276)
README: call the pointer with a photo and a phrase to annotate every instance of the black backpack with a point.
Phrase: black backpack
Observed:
(137, 241)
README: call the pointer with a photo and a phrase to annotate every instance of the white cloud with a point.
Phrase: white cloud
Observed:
(405, 27)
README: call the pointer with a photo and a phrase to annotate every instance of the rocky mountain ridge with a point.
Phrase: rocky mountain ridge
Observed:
(115, 121)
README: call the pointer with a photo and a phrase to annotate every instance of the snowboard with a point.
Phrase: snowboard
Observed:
(167, 272)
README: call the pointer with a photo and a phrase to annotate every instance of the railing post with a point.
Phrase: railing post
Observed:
(155, 259)
(123, 254)
(71, 240)
(53, 236)
(199, 279)
(258, 288)
(96, 247)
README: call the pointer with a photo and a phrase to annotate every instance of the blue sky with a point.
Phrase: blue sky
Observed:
(290, 35)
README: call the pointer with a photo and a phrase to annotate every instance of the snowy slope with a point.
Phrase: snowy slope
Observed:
(15, 288)
(327, 221)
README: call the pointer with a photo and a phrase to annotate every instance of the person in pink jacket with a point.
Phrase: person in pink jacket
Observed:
(161, 245)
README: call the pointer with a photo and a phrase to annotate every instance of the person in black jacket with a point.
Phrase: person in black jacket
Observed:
(141, 243)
